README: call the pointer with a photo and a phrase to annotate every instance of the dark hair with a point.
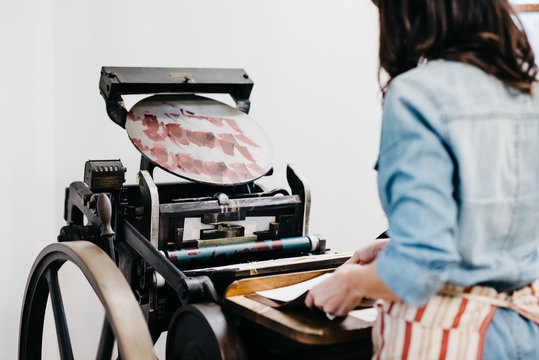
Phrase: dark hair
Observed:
(484, 33)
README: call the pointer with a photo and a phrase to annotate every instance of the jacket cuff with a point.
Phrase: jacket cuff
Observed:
(411, 281)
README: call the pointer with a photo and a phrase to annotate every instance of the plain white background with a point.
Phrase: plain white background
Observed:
(314, 64)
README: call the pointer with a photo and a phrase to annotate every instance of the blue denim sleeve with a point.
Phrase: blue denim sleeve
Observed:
(415, 184)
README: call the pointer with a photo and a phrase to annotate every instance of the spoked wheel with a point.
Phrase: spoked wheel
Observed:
(202, 332)
(123, 313)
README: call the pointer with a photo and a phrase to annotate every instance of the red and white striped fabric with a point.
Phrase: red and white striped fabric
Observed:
(452, 325)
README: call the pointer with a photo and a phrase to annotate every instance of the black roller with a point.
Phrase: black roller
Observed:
(201, 332)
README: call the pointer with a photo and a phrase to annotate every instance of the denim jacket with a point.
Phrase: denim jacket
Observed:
(458, 178)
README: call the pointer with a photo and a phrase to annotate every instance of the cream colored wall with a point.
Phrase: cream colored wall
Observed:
(314, 64)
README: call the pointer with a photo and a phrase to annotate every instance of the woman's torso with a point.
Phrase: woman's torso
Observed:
(492, 134)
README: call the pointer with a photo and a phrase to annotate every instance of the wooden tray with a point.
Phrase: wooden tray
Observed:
(302, 325)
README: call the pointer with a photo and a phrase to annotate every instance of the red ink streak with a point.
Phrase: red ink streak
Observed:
(246, 140)
(138, 144)
(244, 251)
(227, 147)
(241, 136)
(217, 171)
(198, 166)
(233, 176)
(259, 246)
(262, 246)
(193, 252)
(179, 135)
(241, 170)
(245, 152)
(220, 169)
(174, 162)
(214, 169)
(172, 256)
(131, 115)
(219, 122)
(201, 138)
(184, 162)
(277, 245)
(160, 154)
(214, 120)
(233, 124)
(229, 139)
(152, 127)
(176, 134)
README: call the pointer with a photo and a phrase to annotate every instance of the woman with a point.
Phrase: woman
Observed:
(458, 179)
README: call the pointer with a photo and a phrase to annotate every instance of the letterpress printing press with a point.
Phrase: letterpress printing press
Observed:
(184, 257)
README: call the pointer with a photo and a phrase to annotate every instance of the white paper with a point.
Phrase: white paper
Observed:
(289, 293)
(367, 315)
(273, 263)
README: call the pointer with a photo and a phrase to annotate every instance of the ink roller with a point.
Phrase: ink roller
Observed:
(226, 254)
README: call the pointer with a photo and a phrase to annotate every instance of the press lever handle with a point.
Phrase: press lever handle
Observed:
(104, 211)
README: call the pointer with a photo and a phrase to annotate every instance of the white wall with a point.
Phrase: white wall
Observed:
(28, 215)
(314, 64)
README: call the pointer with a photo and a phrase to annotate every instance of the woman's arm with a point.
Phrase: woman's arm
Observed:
(368, 253)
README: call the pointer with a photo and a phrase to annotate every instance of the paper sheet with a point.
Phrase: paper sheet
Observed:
(292, 292)
(368, 315)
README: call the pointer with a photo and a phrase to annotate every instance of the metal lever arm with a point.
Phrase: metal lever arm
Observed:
(104, 211)
(188, 289)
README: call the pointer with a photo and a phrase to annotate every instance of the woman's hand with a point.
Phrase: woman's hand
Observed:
(338, 294)
(343, 291)
(368, 253)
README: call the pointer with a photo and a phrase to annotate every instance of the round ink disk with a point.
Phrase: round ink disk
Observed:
(200, 139)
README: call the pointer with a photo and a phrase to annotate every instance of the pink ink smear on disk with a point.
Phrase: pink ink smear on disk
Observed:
(152, 127)
(138, 144)
(218, 121)
(160, 154)
(158, 132)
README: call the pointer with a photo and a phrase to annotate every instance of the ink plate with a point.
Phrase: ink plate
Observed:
(200, 139)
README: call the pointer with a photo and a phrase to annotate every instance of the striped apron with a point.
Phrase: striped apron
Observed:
(452, 325)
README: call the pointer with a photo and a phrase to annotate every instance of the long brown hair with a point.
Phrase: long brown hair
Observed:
(484, 33)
